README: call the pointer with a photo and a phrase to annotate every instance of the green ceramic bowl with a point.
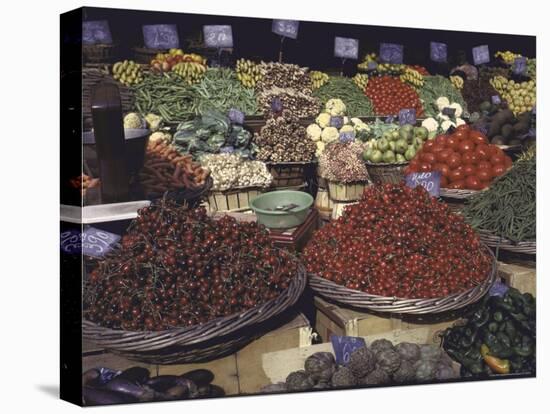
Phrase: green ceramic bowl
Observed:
(265, 208)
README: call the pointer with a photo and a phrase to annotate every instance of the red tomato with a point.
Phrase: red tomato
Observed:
(498, 170)
(460, 134)
(438, 148)
(454, 161)
(496, 150)
(428, 157)
(444, 168)
(498, 159)
(473, 183)
(484, 174)
(507, 161)
(457, 185)
(485, 184)
(441, 139)
(465, 146)
(428, 145)
(452, 142)
(475, 158)
(425, 167)
(443, 181)
(469, 169)
(463, 127)
(477, 137)
(467, 158)
(493, 149)
(482, 150)
(456, 175)
(443, 156)
(484, 164)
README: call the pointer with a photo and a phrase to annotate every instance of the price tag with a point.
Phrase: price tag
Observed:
(161, 36)
(346, 48)
(71, 242)
(96, 32)
(450, 112)
(218, 36)
(347, 136)
(519, 67)
(495, 99)
(372, 65)
(97, 243)
(391, 53)
(336, 121)
(343, 346)
(481, 54)
(285, 28)
(389, 119)
(429, 180)
(498, 289)
(407, 116)
(276, 104)
(227, 150)
(438, 52)
(236, 116)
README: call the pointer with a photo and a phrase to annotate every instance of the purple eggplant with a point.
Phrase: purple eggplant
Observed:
(137, 375)
(90, 377)
(216, 391)
(162, 382)
(97, 396)
(201, 377)
(124, 386)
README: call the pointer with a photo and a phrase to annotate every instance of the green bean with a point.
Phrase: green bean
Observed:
(357, 103)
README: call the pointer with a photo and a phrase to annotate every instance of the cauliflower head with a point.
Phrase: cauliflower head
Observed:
(314, 132)
(329, 134)
(460, 121)
(160, 136)
(323, 119)
(132, 121)
(335, 107)
(320, 148)
(445, 125)
(347, 128)
(442, 102)
(430, 124)
(153, 121)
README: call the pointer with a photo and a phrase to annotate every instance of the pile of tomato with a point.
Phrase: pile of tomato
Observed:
(389, 95)
(465, 159)
(420, 69)
(400, 242)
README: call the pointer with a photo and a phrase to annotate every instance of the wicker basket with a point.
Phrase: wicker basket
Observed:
(98, 53)
(361, 300)
(145, 55)
(214, 339)
(457, 194)
(340, 192)
(235, 199)
(190, 197)
(289, 174)
(526, 247)
(383, 173)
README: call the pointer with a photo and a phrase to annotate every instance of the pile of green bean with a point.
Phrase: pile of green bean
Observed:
(357, 103)
(174, 100)
(508, 208)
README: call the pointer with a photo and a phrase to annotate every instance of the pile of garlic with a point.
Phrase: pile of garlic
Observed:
(230, 171)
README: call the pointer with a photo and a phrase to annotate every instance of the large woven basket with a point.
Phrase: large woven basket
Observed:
(289, 174)
(353, 298)
(525, 247)
(99, 53)
(191, 197)
(457, 194)
(383, 173)
(214, 339)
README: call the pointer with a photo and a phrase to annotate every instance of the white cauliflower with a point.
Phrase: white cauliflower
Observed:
(347, 128)
(445, 125)
(160, 136)
(132, 121)
(356, 121)
(460, 121)
(329, 134)
(153, 121)
(346, 120)
(320, 148)
(430, 124)
(457, 108)
(442, 102)
(335, 107)
(314, 132)
(323, 120)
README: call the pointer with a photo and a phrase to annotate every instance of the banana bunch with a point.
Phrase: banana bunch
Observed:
(457, 82)
(520, 96)
(507, 56)
(361, 80)
(369, 57)
(318, 78)
(248, 72)
(190, 72)
(127, 72)
(412, 77)
(391, 69)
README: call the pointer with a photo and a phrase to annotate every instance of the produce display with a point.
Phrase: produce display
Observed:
(361, 80)
(504, 128)
(103, 386)
(441, 122)
(165, 169)
(389, 95)
(436, 88)
(233, 171)
(318, 78)
(465, 159)
(508, 208)
(345, 89)
(499, 336)
(284, 75)
(178, 267)
(400, 242)
(211, 133)
(299, 103)
(507, 56)
(457, 82)
(128, 72)
(342, 162)
(477, 91)
(520, 96)
(413, 77)
(165, 62)
(248, 72)
(284, 139)
(398, 144)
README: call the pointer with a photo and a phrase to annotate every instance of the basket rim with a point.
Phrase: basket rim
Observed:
(124, 340)
(492, 240)
(272, 163)
(248, 188)
(388, 304)
(386, 164)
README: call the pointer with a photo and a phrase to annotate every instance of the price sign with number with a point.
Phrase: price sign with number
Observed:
(71, 242)
(391, 53)
(481, 54)
(218, 36)
(498, 289)
(519, 67)
(161, 36)
(236, 116)
(407, 116)
(438, 52)
(450, 112)
(347, 136)
(343, 346)
(96, 32)
(346, 47)
(285, 28)
(495, 99)
(429, 180)
(97, 243)
(336, 121)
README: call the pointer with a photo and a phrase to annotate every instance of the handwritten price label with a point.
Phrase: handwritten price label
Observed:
(391, 53)
(481, 54)
(343, 346)
(161, 36)
(438, 52)
(346, 48)
(429, 180)
(407, 116)
(218, 36)
(96, 32)
(92, 242)
(286, 28)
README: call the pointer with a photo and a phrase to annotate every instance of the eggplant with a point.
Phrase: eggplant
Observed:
(97, 396)
(90, 377)
(201, 377)
(182, 388)
(162, 382)
(124, 386)
(216, 391)
(138, 375)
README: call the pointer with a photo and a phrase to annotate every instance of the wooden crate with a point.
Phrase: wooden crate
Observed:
(332, 319)
(339, 192)
(338, 209)
(523, 278)
(232, 200)
(323, 203)
(239, 373)
(288, 175)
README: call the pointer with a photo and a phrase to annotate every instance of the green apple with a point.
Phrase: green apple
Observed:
(376, 156)
(420, 132)
(401, 146)
(410, 153)
(389, 157)
(383, 144)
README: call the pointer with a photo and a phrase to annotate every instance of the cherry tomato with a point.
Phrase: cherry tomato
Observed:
(507, 162)
(454, 161)
(443, 156)
(460, 134)
(428, 145)
(477, 137)
(456, 175)
(498, 170)
(484, 184)
(438, 148)
(465, 146)
(441, 140)
(484, 174)
(473, 183)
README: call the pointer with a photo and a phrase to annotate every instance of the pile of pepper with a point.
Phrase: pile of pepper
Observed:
(499, 336)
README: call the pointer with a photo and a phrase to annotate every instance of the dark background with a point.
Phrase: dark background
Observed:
(253, 38)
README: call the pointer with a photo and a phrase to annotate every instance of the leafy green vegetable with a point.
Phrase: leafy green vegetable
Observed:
(339, 87)
(435, 87)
